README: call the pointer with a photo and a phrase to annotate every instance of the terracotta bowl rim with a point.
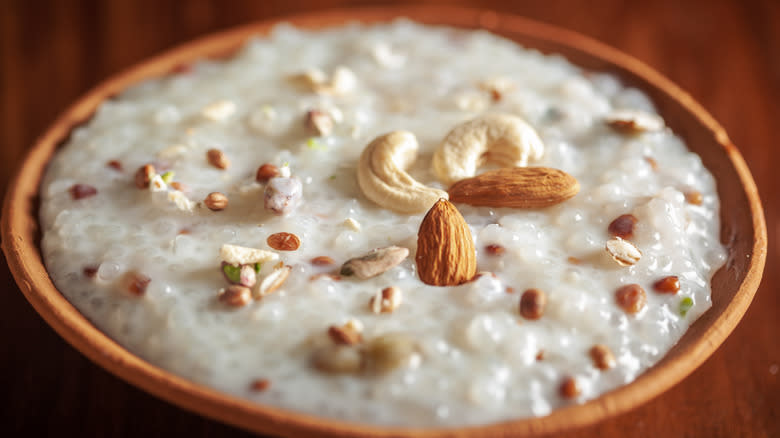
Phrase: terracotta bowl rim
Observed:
(21, 249)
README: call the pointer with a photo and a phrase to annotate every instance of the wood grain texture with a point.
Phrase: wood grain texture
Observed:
(723, 53)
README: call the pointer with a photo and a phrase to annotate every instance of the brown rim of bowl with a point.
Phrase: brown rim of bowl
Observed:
(20, 238)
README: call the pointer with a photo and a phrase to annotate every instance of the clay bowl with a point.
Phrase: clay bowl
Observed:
(743, 230)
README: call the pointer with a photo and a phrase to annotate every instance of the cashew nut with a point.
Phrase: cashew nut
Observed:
(503, 138)
(382, 176)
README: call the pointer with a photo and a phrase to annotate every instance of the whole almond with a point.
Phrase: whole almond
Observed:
(445, 250)
(516, 187)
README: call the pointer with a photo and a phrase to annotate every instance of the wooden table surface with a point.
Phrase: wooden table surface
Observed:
(725, 53)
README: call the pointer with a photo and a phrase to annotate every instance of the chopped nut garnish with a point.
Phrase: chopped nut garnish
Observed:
(219, 110)
(135, 283)
(144, 175)
(318, 122)
(386, 300)
(81, 191)
(172, 152)
(240, 255)
(284, 241)
(217, 158)
(216, 201)
(623, 226)
(574, 260)
(481, 274)
(385, 57)
(90, 271)
(693, 197)
(245, 275)
(157, 184)
(181, 202)
(266, 172)
(115, 164)
(322, 261)
(497, 86)
(510, 290)
(623, 252)
(260, 385)
(602, 357)
(309, 79)
(495, 250)
(345, 335)
(569, 388)
(667, 285)
(375, 262)
(631, 298)
(652, 162)
(341, 82)
(272, 281)
(235, 295)
(282, 194)
(634, 121)
(540, 355)
(532, 304)
(175, 185)
(352, 224)
(330, 276)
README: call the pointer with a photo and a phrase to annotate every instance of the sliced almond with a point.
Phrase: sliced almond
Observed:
(445, 249)
(516, 187)
(271, 282)
(623, 252)
(634, 121)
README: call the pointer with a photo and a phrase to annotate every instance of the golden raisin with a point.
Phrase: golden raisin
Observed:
(569, 388)
(260, 385)
(532, 304)
(631, 298)
(623, 226)
(602, 357)
(667, 285)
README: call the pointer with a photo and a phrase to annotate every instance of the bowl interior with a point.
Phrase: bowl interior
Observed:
(742, 230)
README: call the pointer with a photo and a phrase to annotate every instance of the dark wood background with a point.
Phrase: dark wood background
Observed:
(725, 53)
